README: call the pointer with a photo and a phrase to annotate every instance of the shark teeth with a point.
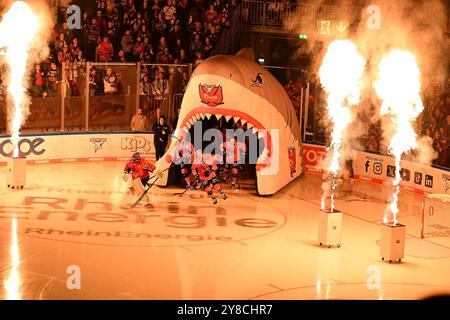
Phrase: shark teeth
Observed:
(207, 116)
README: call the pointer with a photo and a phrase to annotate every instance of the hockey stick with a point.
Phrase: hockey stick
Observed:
(148, 188)
(153, 183)
(144, 193)
(181, 193)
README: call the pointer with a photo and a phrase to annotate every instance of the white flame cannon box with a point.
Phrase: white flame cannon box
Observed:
(330, 225)
(392, 244)
(16, 177)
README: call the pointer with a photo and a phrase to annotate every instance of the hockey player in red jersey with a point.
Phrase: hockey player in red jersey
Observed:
(139, 170)
(205, 167)
(233, 157)
(184, 155)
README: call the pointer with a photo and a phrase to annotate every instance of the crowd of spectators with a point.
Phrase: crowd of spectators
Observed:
(148, 31)
(436, 123)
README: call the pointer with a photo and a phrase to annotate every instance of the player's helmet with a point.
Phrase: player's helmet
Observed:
(136, 156)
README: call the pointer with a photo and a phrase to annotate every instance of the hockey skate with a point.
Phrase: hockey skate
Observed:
(224, 196)
(214, 200)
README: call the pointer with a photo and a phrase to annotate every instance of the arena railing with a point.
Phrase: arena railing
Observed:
(299, 16)
(266, 13)
(78, 100)
(177, 100)
(276, 14)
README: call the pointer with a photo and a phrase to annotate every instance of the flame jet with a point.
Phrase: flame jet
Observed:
(17, 31)
(340, 75)
(398, 86)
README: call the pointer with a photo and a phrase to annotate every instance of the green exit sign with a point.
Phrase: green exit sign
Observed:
(302, 36)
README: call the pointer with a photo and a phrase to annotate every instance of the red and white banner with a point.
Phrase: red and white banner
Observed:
(63, 148)
(313, 156)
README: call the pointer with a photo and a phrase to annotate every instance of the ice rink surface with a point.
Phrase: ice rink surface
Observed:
(77, 217)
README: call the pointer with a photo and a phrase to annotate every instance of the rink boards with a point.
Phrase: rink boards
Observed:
(91, 147)
(80, 147)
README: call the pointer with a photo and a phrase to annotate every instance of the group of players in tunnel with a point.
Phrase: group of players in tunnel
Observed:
(209, 170)
(200, 170)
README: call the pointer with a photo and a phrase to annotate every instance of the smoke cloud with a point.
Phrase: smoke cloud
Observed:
(416, 26)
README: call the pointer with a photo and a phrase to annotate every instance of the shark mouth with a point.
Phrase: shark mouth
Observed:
(205, 113)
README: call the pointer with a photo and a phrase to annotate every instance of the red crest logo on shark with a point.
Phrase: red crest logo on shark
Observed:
(211, 95)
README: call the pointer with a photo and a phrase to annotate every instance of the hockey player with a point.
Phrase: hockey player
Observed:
(139, 170)
(204, 166)
(233, 154)
(184, 155)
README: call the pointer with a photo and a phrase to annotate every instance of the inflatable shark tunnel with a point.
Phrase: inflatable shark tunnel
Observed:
(236, 87)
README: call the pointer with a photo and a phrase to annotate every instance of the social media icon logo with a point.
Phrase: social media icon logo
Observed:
(417, 178)
(367, 165)
(377, 168)
(405, 174)
(390, 171)
(428, 181)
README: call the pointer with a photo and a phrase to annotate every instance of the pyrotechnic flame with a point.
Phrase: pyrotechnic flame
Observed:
(398, 86)
(17, 30)
(340, 74)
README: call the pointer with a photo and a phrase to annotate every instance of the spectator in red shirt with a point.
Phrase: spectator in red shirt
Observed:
(211, 15)
(38, 81)
(105, 50)
(101, 22)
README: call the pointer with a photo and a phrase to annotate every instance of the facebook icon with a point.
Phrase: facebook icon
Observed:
(367, 165)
